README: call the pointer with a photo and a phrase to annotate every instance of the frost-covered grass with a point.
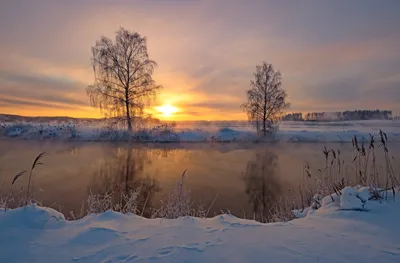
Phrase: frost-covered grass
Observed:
(177, 204)
(127, 203)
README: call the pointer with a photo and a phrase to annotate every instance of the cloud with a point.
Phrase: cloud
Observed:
(387, 93)
(42, 88)
(215, 105)
(22, 103)
(55, 83)
(332, 55)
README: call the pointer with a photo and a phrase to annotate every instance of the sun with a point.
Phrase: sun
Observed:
(166, 110)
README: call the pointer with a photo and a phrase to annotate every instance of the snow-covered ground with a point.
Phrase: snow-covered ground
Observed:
(206, 131)
(368, 232)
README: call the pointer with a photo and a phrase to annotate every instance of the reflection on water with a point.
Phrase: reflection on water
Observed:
(262, 185)
(248, 178)
(122, 173)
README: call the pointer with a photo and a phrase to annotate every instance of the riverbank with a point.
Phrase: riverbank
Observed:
(337, 232)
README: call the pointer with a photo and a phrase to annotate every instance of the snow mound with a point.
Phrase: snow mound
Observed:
(329, 234)
(351, 199)
(31, 216)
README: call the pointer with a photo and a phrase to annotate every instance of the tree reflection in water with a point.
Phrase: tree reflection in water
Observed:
(262, 184)
(124, 172)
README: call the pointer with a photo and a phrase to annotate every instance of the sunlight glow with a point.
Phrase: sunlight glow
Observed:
(167, 110)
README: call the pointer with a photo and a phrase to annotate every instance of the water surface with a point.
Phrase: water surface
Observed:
(247, 177)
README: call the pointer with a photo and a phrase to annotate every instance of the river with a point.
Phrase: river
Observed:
(243, 178)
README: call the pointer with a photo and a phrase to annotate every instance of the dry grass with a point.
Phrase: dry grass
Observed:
(14, 198)
(179, 203)
(126, 203)
(35, 163)
(3, 203)
(281, 211)
(363, 170)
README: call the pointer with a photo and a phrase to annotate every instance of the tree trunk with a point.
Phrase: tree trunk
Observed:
(265, 121)
(264, 128)
(128, 118)
(265, 115)
(128, 115)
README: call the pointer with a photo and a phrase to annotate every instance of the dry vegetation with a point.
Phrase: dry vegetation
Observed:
(15, 198)
(363, 171)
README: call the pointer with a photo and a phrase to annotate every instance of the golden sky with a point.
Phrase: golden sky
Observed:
(335, 55)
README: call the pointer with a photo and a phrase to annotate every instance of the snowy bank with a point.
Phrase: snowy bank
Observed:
(201, 132)
(329, 234)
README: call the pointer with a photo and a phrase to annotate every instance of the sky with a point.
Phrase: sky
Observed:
(333, 55)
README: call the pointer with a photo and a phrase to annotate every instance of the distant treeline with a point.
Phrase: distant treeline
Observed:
(340, 116)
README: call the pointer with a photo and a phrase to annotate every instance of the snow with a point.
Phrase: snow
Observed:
(329, 234)
(350, 199)
(210, 131)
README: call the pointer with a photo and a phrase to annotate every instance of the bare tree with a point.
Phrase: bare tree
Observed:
(123, 81)
(266, 99)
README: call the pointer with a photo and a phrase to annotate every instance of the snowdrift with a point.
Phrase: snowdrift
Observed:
(351, 228)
